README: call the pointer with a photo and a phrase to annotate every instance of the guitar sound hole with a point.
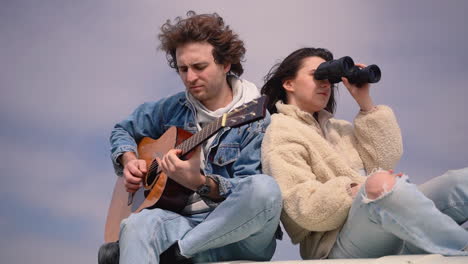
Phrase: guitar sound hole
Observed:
(153, 173)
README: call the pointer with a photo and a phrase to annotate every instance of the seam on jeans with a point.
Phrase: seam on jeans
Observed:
(396, 221)
(235, 229)
(452, 205)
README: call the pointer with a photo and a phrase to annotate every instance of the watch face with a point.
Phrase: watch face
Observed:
(204, 189)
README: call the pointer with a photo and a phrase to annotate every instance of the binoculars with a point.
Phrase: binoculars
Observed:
(344, 67)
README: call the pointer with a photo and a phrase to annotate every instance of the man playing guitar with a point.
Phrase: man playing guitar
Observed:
(232, 210)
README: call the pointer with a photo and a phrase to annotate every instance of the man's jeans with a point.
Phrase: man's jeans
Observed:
(242, 227)
(408, 220)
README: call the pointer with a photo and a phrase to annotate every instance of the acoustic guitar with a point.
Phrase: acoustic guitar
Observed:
(158, 190)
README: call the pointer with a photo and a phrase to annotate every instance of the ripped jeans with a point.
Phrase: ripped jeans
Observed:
(408, 220)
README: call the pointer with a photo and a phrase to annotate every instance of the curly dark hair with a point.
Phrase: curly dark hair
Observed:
(287, 70)
(227, 47)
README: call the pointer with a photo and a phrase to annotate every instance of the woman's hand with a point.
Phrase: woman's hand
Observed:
(360, 94)
(354, 189)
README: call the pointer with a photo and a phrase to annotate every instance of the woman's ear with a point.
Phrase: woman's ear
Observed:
(288, 85)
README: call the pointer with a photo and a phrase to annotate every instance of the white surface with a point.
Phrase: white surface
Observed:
(403, 259)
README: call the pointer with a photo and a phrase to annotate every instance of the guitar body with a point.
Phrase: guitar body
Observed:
(165, 193)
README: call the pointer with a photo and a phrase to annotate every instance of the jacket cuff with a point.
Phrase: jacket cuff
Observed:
(118, 168)
(224, 185)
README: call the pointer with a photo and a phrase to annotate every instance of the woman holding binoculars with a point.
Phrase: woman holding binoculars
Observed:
(341, 196)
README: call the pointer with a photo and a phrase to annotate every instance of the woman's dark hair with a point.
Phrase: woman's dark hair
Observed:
(287, 70)
(227, 47)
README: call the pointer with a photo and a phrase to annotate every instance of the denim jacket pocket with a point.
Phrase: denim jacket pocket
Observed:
(226, 153)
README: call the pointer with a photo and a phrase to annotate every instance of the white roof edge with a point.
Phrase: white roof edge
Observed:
(400, 259)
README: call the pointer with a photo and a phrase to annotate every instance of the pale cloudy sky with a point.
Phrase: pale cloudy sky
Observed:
(71, 69)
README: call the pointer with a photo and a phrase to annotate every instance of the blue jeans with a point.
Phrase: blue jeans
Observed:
(241, 227)
(408, 220)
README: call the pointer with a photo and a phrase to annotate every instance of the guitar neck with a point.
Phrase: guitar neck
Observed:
(198, 138)
(244, 114)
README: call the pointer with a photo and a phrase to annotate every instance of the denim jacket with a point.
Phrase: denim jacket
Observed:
(233, 154)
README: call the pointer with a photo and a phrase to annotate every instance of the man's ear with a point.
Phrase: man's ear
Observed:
(227, 67)
(288, 85)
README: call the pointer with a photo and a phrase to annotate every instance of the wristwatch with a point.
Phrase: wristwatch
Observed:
(205, 188)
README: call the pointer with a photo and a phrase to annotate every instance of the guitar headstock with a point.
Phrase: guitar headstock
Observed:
(246, 113)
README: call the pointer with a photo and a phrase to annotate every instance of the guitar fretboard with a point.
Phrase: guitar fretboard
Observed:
(195, 140)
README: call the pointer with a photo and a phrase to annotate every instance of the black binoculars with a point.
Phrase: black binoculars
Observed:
(344, 67)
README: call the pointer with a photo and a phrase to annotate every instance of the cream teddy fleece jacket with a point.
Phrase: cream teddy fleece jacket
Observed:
(315, 163)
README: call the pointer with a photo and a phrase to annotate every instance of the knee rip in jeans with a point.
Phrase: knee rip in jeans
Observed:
(378, 186)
